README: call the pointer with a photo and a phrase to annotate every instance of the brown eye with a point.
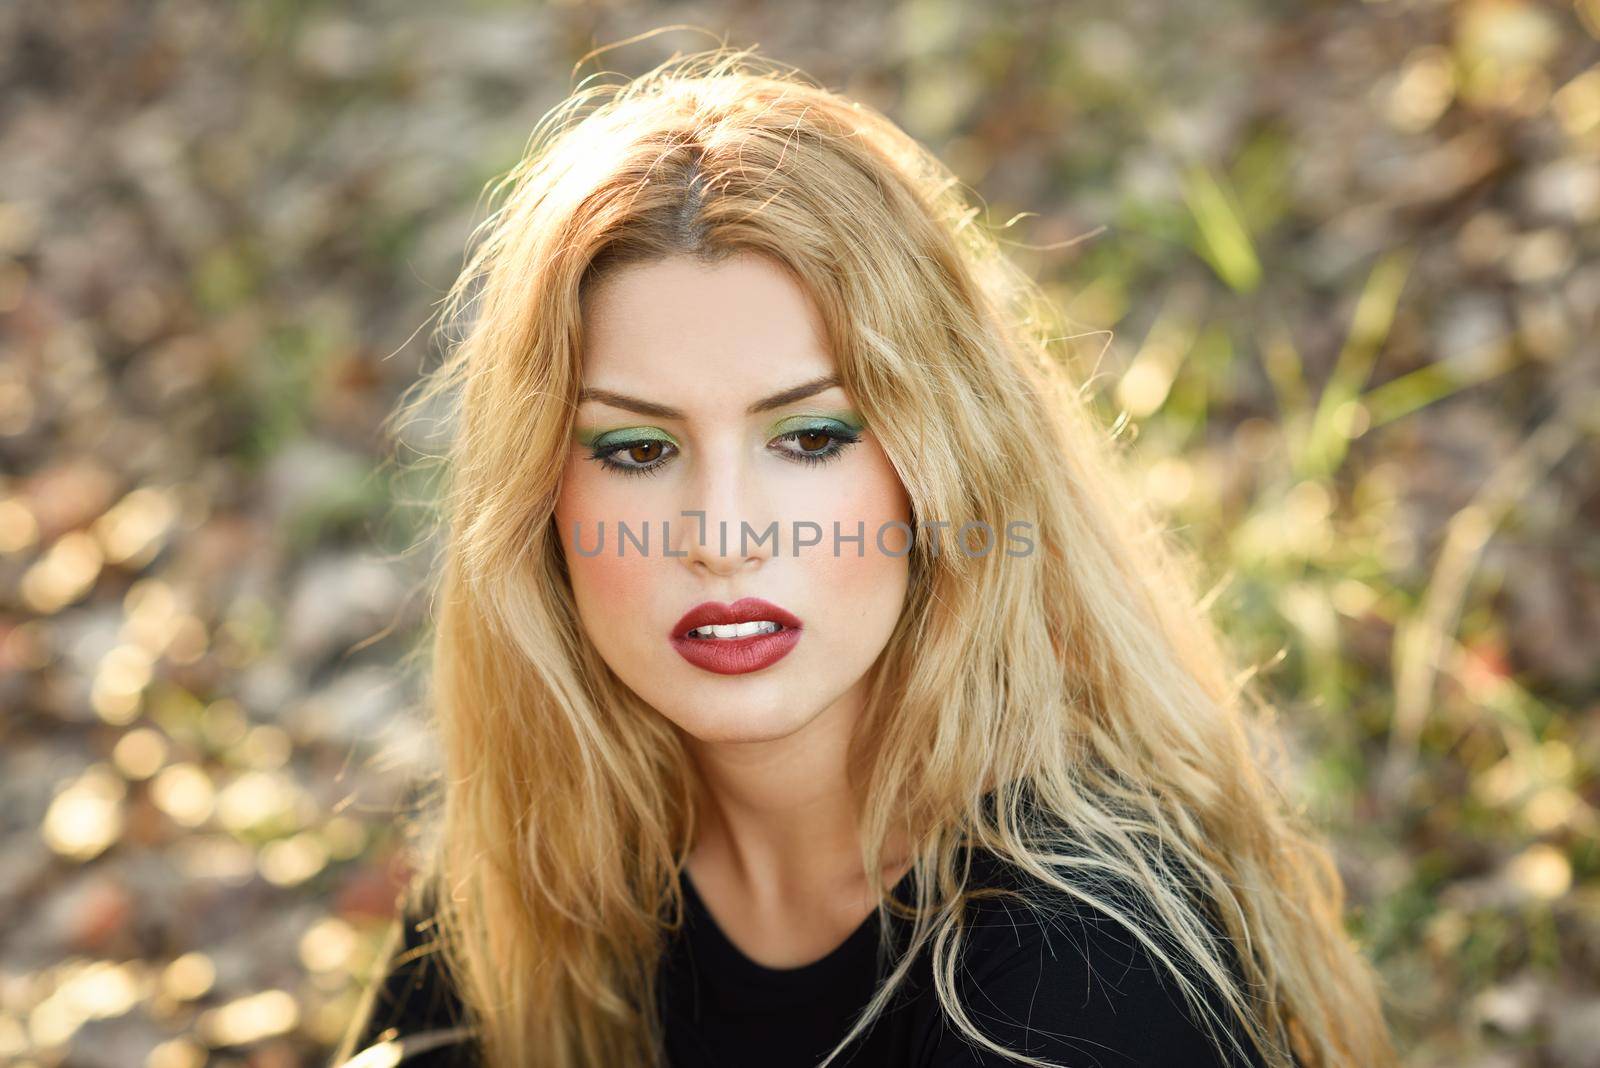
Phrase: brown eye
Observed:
(815, 444)
(642, 457)
(821, 438)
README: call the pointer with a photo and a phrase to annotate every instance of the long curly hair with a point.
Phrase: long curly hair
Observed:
(1072, 710)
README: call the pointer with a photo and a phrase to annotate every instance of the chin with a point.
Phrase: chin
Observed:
(736, 721)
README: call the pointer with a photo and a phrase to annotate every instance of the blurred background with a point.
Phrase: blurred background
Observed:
(1334, 269)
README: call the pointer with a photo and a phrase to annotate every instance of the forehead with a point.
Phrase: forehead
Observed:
(678, 326)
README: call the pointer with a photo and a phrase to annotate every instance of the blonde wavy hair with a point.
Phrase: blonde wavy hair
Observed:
(1072, 711)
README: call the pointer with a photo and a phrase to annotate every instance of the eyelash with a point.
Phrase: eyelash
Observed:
(841, 441)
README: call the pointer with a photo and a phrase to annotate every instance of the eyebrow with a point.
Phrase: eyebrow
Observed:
(662, 411)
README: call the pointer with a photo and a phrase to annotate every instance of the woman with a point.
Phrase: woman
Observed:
(781, 550)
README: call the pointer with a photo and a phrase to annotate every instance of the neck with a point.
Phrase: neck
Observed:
(779, 817)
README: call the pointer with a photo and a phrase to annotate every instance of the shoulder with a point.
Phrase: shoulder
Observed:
(1047, 975)
(413, 1015)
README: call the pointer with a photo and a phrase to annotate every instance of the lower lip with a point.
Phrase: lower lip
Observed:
(737, 656)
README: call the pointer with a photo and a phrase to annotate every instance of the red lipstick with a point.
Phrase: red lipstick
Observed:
(735, 656)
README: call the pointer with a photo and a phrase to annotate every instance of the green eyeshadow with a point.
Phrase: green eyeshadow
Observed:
(597, 439)
(842, 421)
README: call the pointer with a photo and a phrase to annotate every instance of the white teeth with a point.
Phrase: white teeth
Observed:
(736, 630)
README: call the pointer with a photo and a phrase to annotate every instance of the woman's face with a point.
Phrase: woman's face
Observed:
(705, 391)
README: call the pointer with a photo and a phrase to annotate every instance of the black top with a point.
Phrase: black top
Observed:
(1074, 988)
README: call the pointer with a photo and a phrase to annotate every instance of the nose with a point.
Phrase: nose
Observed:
(725, 524)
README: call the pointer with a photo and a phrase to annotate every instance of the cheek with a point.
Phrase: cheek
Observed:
(864, 590)
(867, 503)
(608, 585)
(864, 505)
(603, 583)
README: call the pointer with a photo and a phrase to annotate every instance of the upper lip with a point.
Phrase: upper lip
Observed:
(744, 610)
